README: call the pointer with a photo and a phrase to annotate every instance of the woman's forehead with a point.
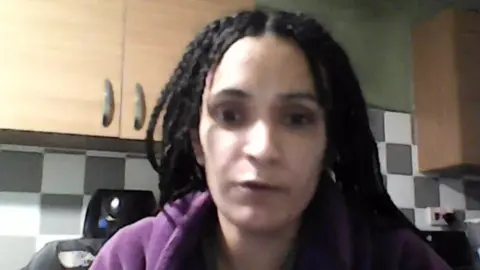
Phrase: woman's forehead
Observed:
(266, 63)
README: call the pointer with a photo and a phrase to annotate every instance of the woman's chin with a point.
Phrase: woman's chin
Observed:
(255, 219)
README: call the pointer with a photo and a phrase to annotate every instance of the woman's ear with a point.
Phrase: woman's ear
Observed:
(197, 147)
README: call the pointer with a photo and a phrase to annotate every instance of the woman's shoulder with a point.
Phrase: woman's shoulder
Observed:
(128, 247)
(134, 245)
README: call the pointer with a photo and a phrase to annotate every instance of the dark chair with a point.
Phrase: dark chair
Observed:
(108, 211)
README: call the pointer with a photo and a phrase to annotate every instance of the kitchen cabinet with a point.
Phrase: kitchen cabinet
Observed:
(93, 67)
(55, 58)
(156, 34)
(446, 57)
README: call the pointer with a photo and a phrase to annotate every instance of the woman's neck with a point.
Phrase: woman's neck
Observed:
(240, 249)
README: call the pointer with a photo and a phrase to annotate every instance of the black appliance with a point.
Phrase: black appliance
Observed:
(110, 209)
(453, 247)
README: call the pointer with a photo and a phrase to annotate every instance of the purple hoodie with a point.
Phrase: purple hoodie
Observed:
(341, 241)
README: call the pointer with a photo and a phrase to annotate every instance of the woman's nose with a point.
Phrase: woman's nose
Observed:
(261, 143)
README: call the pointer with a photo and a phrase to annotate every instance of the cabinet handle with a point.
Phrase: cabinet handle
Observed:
(140, 107)
(109, 104)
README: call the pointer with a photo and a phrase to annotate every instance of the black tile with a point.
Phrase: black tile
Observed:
(460, 215)
(472, 195)
(377, 124)
(399, 159)
(65, 151)
(427, 192)
(409, 213)
(61, 201)
(21, 171)
(104, 172)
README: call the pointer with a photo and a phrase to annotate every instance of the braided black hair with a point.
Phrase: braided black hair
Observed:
(351, 146)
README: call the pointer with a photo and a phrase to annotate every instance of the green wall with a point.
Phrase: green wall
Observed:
(376, 35)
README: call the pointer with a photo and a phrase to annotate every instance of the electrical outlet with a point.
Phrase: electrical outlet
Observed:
(434, 216)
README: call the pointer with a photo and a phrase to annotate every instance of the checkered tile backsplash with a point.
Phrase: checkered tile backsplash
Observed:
(44, 192)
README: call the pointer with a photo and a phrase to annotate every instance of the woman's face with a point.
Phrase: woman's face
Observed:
(261, 133)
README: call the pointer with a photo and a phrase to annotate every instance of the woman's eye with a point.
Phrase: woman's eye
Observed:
(298, 120)
(229, 116)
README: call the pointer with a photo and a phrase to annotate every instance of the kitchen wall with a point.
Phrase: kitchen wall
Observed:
(376, 35)
(412, 191)
(44, 192)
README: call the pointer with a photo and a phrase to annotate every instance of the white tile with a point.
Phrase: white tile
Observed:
(42, 240)
(452, 194)
(382, 156)
(415, 166)
(86, 200)
(16, 251)
(139, 175)
(63, 173)
(106, 154)
(20, 214)
(421, 220)
(472, 214)
(398, 128)
(401, 190)
(21, 148)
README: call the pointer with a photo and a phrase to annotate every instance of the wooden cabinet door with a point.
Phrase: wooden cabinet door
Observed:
(446, 69)
(55, 56)
(157, 32)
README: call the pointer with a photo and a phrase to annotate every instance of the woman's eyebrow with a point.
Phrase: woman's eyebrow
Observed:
(245, 94)
(232, 93)
(298, 96)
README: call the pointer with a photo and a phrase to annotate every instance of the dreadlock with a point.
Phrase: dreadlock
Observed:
(351, 146)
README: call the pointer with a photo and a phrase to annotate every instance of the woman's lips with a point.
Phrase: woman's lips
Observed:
(258, 186)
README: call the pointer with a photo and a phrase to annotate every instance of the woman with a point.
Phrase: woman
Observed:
(268, 161)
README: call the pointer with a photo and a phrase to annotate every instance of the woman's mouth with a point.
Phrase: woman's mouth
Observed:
(256, 186)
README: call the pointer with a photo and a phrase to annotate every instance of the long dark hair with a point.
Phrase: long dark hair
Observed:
(351, 152)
